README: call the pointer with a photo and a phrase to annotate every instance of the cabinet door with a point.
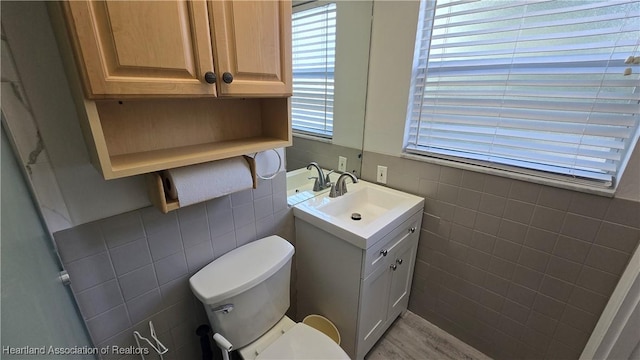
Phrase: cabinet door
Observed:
(142, 47)
(252, 45)
(401, 277)
(374, 298)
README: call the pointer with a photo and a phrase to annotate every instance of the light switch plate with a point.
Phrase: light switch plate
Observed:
(382, 174)
(342, 163)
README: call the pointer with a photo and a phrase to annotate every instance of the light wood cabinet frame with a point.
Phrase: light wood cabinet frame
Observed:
(138, 133)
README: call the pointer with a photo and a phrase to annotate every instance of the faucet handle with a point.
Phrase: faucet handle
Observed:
(341, 185)
(333, 193)
(316, 184)
(327, 179)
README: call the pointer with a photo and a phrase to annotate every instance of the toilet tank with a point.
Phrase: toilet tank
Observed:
(246, 291)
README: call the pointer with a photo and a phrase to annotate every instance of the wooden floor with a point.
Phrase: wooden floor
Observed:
(412, 337)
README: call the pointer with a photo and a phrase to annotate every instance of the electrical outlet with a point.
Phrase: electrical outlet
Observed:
(382, 174)
(342, 163)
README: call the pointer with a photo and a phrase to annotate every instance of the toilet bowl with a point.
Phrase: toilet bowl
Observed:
(246, 294)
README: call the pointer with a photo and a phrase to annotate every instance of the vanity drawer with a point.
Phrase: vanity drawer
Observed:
(376, 255)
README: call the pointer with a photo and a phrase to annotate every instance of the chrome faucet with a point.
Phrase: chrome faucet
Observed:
(340, 187)
(322, 182)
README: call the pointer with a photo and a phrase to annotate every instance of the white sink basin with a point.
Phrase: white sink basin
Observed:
(368, 201)
(300, 187)
(381, 209)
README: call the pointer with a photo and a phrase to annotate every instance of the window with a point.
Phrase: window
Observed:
(313, 51)
(534, 87)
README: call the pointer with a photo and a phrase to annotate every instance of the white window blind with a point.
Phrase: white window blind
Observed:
(314, 42)
(527, 85)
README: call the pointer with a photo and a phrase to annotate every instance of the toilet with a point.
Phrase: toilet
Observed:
(246, 294)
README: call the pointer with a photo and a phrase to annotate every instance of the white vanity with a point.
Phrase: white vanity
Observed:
(357, 272)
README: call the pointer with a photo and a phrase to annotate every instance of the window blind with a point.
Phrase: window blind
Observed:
(531, 86)
(313, 51)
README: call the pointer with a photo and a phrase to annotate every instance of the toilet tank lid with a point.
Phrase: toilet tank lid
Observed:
(240, 269)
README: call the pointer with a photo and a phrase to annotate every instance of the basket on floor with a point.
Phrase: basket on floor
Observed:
(323, 325)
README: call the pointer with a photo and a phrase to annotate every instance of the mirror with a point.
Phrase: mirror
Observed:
(353, 31)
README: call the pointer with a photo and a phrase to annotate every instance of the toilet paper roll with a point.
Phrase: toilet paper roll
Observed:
(198, 183)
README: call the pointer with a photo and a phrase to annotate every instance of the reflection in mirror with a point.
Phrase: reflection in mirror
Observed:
(353, 30)
(300, 184)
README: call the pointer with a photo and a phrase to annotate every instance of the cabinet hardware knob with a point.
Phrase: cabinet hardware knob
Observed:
(210, 77)
(412, 230)
(384, 252)
(399, 261)
(393, 267)
(227, 77)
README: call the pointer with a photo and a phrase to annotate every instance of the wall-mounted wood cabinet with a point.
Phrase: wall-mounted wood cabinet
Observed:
(163, 84)
(181, 48)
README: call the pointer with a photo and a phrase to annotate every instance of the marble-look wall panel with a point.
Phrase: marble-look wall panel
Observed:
(515, 269)
(23, 132)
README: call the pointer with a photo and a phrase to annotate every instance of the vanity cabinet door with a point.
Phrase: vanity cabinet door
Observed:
(136, 48)
(373, 308)
(401, 277)
(252, 47)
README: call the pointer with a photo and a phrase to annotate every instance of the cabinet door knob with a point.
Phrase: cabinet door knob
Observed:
(393, 267)
(210, 77)
(412, 230)
(399, 261)
(227, 78)
(384, 252)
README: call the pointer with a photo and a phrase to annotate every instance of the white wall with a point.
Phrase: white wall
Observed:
(353, 29)
(392, 46)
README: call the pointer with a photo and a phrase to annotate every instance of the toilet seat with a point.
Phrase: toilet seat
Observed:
(303, 342)
(290, 340)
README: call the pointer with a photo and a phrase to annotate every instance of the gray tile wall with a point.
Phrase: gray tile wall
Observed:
(132, 268)
(326, 155)
(515, 269)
